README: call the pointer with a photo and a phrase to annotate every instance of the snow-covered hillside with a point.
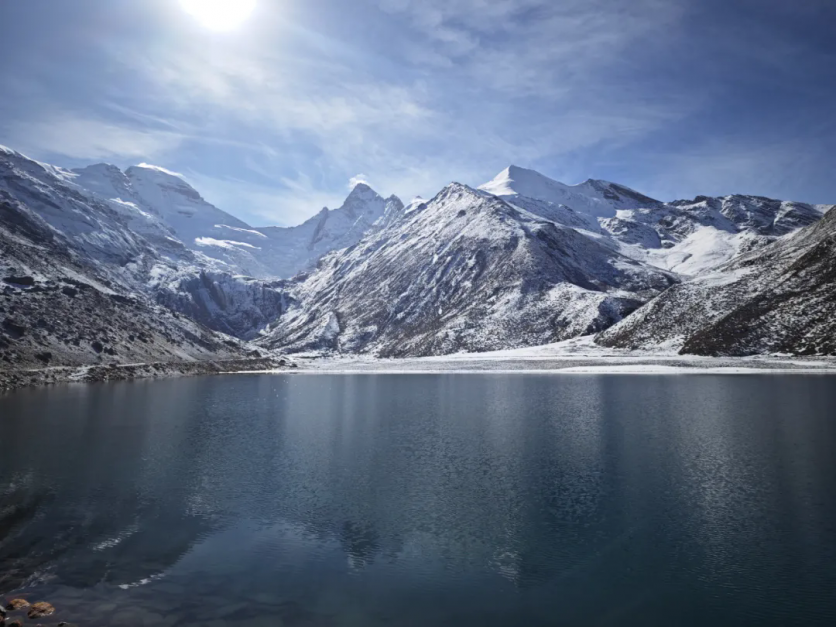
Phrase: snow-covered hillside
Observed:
(780, 298)
(466, 271)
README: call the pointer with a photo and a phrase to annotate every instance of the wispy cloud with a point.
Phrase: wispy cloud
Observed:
(274, 120)
(413, 134)
(358, 179)
(79, 137)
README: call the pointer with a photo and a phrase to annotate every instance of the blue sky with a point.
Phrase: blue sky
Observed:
(273, 120)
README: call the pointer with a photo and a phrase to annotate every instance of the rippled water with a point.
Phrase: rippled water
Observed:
(445, 500)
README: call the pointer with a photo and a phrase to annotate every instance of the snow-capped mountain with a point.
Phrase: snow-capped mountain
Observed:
(125, 246)
(686, 236)
(160, 204)
(465, 271)
(780, 298)
(153, 234)
(92, 225)
(523, 260)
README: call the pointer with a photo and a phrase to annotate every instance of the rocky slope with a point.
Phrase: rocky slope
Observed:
(236, 305)
(59, 309)
(777, 299)
(464, 272)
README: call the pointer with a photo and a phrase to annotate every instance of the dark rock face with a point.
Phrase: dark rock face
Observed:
(21, 281)
(237, 306)
(778, 299)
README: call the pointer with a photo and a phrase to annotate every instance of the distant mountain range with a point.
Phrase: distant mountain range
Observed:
(101, 265)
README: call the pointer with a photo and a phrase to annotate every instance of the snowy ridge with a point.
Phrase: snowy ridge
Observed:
(597, 199)
(686, 237)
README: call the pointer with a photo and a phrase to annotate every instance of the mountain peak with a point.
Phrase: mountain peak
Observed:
(150, 179)
(8, 151)
(361, 193)
(363, 201)
(515, 170)
(515, 180)
(414, 204)
(593, 197)
(457, 189)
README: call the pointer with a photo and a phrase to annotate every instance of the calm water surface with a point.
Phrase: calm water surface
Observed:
(446, 500)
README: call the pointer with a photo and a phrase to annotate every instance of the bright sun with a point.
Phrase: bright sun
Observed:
(219, 14)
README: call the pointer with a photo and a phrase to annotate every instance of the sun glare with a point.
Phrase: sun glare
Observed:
(219, 14)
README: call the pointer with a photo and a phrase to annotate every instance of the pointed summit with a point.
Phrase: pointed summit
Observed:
(393, 211)
(515, 180)
(363, 202)
(361, 193)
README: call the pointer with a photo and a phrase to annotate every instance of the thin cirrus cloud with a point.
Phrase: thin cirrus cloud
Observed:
(92, 139)
(668, 96)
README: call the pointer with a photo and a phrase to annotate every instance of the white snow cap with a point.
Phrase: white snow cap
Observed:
(598, 199)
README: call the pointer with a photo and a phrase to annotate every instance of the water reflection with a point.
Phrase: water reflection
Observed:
(452, 499)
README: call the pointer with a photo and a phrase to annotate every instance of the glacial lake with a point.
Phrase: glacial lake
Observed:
(451, 500)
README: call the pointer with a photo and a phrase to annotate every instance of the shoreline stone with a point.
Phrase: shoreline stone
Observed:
(17, 604)
(40, 609)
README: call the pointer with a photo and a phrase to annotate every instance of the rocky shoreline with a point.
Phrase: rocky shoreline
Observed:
(21, 378)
